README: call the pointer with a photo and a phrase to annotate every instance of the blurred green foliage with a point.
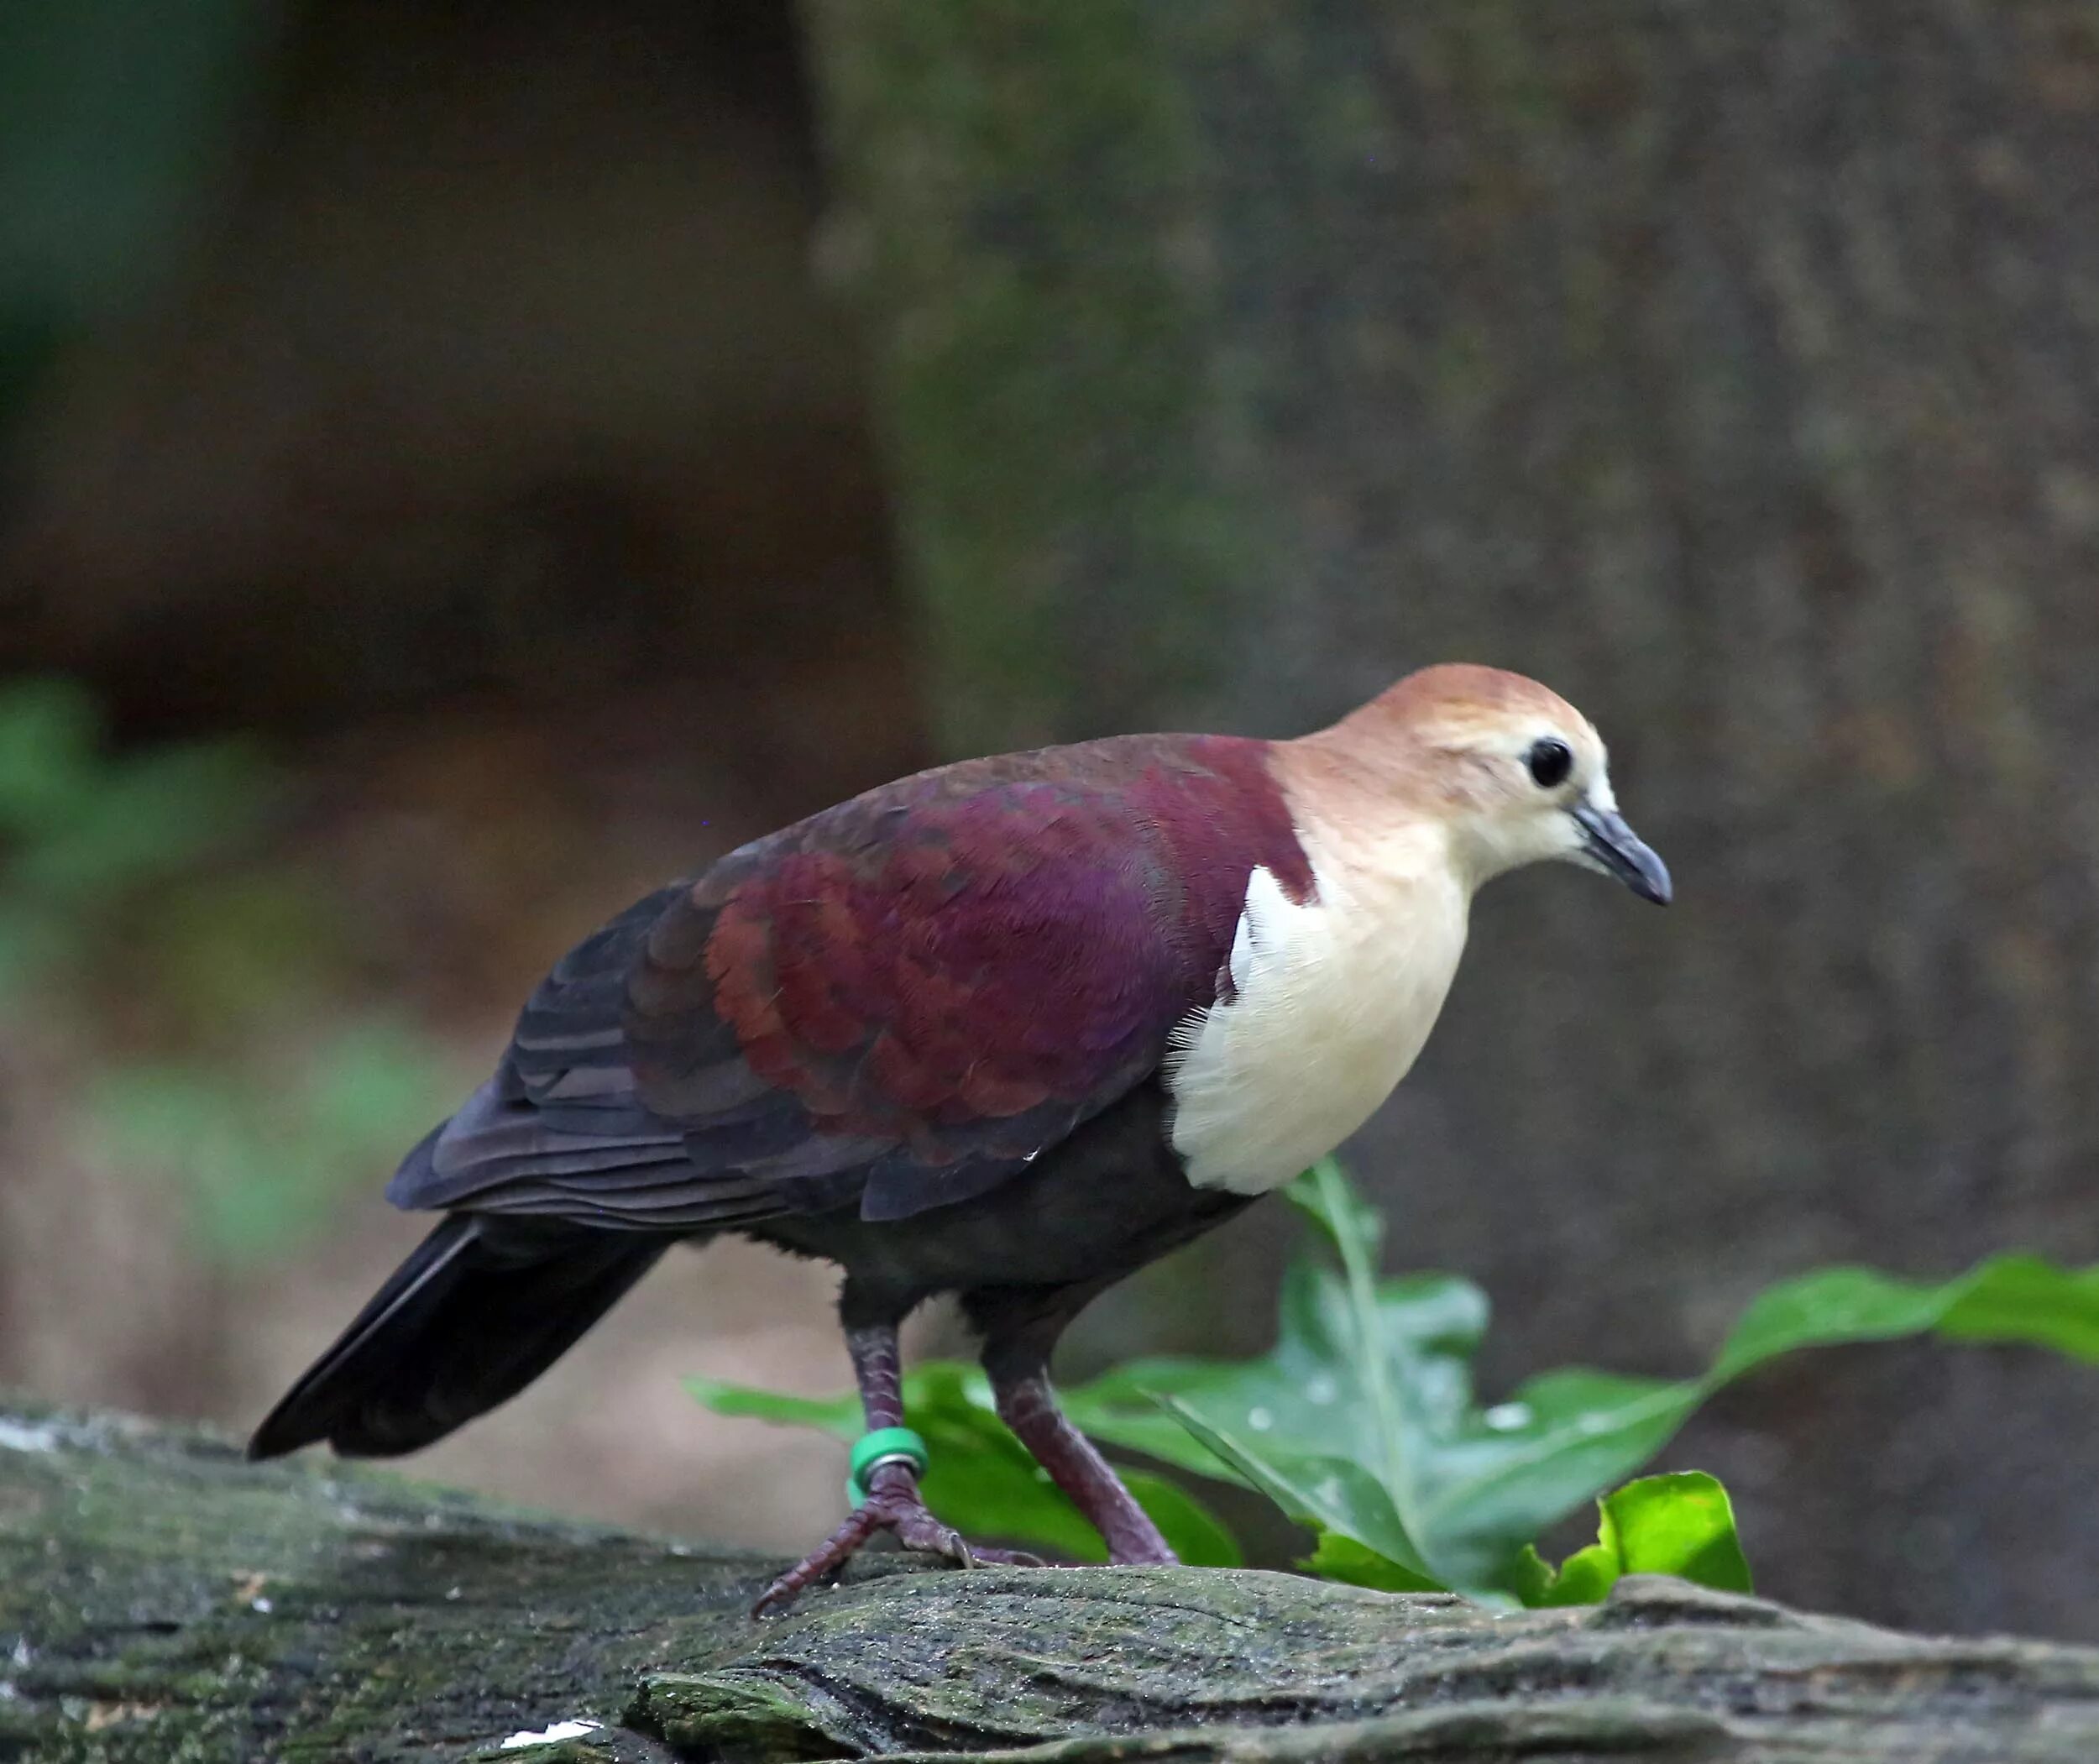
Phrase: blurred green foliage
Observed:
(83, 832)
(263, 1156)
(118, 120)
(1362, 1425)
(203, 986)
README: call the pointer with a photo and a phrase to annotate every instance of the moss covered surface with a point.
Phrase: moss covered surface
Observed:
(161, 1600)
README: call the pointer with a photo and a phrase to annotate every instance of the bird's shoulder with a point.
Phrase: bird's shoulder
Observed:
(982, 936)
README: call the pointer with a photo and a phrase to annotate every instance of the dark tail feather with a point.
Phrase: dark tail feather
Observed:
(479, 1310)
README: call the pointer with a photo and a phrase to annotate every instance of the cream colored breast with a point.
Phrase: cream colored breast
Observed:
(1332, 1003)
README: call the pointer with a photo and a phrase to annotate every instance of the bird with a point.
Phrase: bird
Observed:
(1007, 1030)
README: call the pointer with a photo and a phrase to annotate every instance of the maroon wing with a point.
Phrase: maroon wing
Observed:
(897, 1004)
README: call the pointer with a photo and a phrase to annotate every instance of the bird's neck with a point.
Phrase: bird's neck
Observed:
(1330, 999)
(1374, 803)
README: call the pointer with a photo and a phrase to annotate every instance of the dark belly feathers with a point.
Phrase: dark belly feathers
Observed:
(1102, 1203)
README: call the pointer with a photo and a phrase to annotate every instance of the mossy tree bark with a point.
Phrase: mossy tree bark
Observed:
(162, 1600)
(1732, 368)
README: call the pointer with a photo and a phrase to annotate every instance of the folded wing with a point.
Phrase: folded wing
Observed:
(895, 1005)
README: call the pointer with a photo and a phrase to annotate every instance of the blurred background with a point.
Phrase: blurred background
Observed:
(463, 462)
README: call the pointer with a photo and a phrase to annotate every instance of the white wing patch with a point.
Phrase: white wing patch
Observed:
(1332, 1003)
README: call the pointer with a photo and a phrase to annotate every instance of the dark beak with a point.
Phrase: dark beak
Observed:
(1613, 847)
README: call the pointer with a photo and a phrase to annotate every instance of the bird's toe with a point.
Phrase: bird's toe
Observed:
(921, 1530)
(824, 1560)
(910, 1521)
(981, 1556)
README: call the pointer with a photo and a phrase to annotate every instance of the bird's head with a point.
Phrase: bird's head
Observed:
(1509, 771)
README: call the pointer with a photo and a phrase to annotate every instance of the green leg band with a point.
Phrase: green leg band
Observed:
(884, 1446)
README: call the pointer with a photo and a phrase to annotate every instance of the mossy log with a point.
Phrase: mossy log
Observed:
(161, 1600)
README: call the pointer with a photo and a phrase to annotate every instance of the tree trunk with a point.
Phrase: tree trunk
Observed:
(161, 1600)
(1736, 369)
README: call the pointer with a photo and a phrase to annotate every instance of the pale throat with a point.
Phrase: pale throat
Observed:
(1330, 1004)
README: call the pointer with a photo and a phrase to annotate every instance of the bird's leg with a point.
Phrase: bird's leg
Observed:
(893, 1503)
(1029, 1406)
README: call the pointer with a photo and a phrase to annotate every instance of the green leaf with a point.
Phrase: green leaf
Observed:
(2010, 1298)
(1197, 1535)
(1681, 1525)
(1325, 1196)
(1361, 1421)
(981, 1479)
(1342, 1558)
(838, 1417)
(1331, 1495)
(2024, 1299)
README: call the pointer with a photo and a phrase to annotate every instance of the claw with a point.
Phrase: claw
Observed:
(894, 1505)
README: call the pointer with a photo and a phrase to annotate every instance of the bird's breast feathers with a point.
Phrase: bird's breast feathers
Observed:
(1330, 1001)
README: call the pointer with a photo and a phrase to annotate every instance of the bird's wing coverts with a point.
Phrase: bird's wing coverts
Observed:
(898, 1003)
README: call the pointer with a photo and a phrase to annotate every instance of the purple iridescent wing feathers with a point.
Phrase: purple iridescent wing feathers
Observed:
(897, 1004)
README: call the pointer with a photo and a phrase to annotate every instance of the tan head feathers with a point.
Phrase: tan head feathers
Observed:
(1455, 701)
(1488, 767)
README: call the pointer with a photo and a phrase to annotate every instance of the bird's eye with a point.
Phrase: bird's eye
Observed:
(1549, 762)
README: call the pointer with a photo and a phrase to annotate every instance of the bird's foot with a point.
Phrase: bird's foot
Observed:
(894, 1505)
